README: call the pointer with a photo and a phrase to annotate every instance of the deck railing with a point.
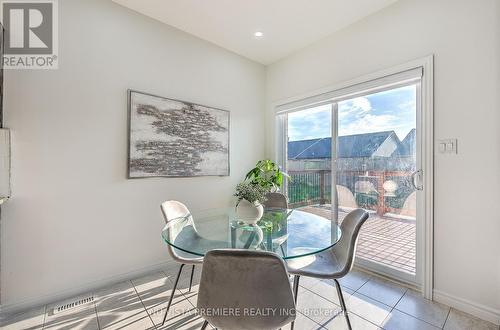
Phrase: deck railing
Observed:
(310, 187)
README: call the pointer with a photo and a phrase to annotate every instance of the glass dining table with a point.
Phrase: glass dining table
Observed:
(290, 233)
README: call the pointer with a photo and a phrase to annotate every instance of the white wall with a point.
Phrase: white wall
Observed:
(74, 218)
(465, 37)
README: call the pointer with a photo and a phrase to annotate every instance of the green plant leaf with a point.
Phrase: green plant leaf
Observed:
(267, 174)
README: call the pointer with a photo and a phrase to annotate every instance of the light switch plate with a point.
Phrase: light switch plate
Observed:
(447, 146)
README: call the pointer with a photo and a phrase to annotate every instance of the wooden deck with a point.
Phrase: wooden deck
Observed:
(389, 241)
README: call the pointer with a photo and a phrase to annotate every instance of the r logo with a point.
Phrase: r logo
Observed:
(28, 27)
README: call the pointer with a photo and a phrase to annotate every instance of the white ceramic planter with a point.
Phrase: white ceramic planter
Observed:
(249, 212)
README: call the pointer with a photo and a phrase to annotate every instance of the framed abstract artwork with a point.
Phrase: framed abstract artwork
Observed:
(172, 138)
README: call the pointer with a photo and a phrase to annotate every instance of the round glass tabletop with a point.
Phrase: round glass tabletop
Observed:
(290, 233)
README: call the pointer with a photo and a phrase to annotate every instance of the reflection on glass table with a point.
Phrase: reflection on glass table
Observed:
(290, 233)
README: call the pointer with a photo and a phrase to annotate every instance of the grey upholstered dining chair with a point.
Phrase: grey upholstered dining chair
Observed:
(276, 200)
(242, 281)
(333, 263)
(173, 210)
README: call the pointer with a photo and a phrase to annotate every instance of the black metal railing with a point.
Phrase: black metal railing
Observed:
(311, 187)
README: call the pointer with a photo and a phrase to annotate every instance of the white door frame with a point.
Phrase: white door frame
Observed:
(425, 207)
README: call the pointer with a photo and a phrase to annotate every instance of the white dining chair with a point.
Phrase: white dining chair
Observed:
(335, 262)
(174, 210)
(245, 283)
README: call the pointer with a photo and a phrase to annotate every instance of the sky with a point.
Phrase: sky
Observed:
(393, 110)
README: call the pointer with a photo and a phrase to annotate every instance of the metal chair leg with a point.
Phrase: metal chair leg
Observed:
(296, 279)
(205, 324)
(191, 280)
(173, 294)
(342, 303)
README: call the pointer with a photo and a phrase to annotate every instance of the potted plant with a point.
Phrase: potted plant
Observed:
(249, 207)
(267, 174)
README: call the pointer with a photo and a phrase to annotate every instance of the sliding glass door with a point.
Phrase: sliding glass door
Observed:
(376, 165)
(361, 152)
(309, 159)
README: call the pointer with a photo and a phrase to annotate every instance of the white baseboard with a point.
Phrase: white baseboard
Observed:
(89, 287)
(478, 310)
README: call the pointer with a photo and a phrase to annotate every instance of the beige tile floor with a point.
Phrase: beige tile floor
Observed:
(139, 304)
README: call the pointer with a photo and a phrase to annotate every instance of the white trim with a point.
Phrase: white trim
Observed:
(397, 275)
(478, 310)
(376, 85)
(334, 202)
(352, 82)
(427, 163)
(408, 285)
(89, 287)
(281, 148)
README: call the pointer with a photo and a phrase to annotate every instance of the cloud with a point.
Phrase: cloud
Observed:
(310, 124)
(408, 106)
(370, 123)
(392, 110)
(357, 107)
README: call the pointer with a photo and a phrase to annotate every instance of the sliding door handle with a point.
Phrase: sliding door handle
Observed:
(416, 178)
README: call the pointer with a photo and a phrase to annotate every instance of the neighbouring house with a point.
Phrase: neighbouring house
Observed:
(407, 147)
(365, 162)
(363, 152)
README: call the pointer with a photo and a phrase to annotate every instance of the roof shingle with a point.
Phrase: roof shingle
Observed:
(350, 146)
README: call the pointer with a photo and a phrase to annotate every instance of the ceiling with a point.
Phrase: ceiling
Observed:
(288, 25)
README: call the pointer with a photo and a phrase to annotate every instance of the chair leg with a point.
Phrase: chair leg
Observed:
(205, 324)
(191, 279)
(342, 303)
(296, 279)
(282, 251)
(173, 294)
